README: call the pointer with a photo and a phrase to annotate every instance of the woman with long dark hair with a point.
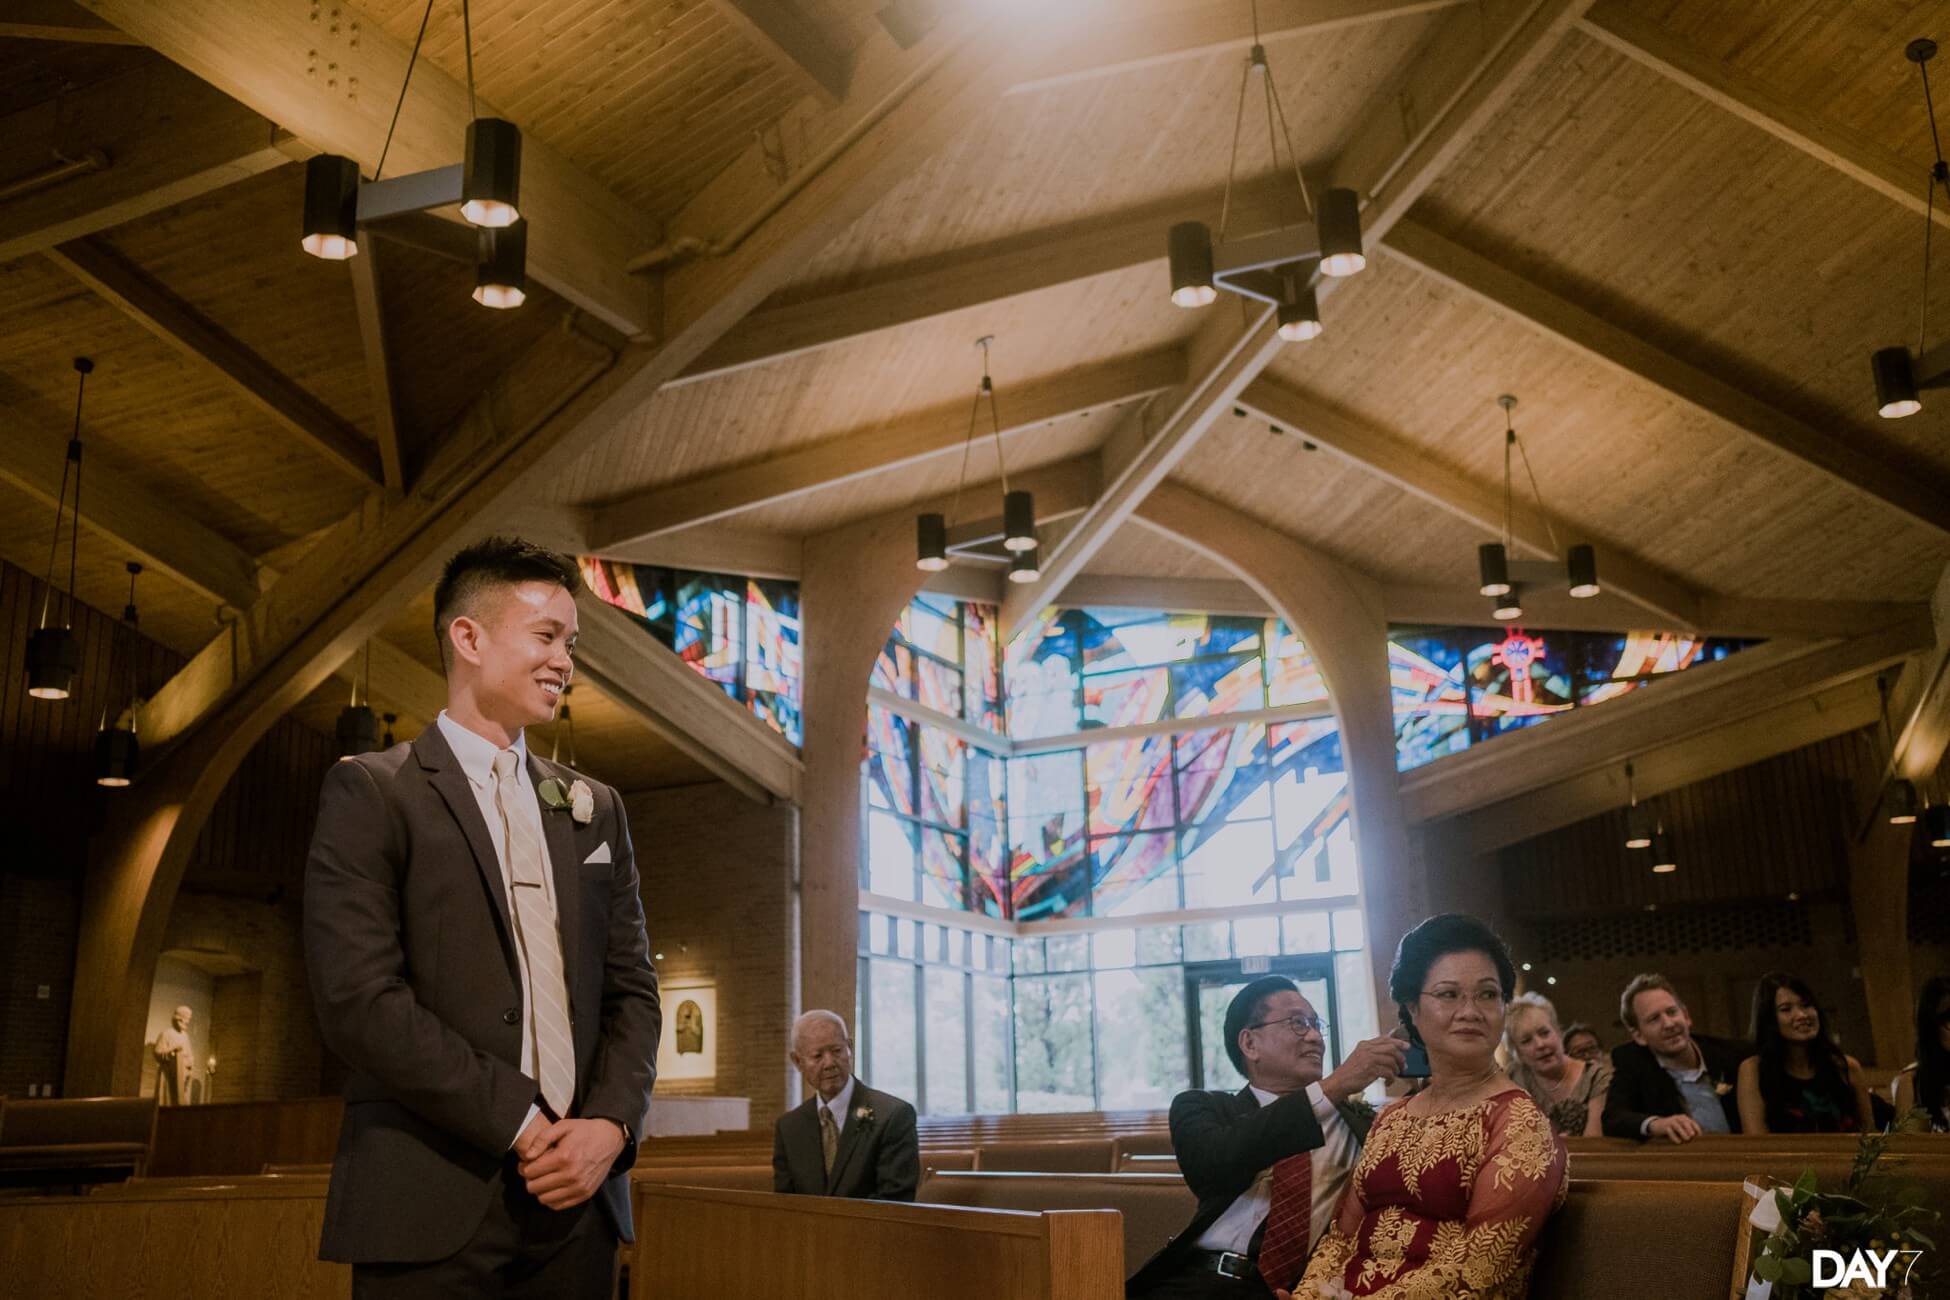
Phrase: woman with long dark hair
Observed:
(1799, 1081)
(1927, 1082)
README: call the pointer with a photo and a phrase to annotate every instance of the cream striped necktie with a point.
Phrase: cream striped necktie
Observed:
(541, 948)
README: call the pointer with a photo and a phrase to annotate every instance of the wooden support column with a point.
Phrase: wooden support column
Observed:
(1339, 614)
(1878, 887)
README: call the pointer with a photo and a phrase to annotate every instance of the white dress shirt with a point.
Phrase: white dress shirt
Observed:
(841, 1106)
(476, 755)
(1333, 1164)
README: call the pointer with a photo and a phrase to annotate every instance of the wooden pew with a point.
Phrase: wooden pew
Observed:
(717, 1244)
(242, 1137)
(1629, 1240)
(749, 1178)
(1070, 1156)
(1141, 1163)
(75, 1139)
(235, 1241)
(1154, 1207)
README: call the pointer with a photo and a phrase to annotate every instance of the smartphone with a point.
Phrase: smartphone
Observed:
(1416, 1064)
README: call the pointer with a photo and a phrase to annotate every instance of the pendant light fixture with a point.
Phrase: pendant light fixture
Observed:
(563, 720)
(1638, 821)
(1493, 566)
(386, 741)
(1899, 375)
(1025, 566)
(1899, 798)
(486, 185)
(1279, 267)
(1936, 825)
(1018, 507)
(53, 656)
(358, 728)
(1664, 861)
(116, 749)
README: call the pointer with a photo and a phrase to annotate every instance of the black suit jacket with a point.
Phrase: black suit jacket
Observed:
(1641, 1088)
(412, 965)
(1223, 1141)
(879, 1159)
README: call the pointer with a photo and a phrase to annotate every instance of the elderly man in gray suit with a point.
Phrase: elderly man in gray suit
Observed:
(846, 1139)
(476, 947)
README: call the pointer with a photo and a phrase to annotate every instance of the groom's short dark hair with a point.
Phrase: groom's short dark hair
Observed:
(488, 563)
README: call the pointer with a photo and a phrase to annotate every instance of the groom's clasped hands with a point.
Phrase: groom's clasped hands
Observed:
(565, 1162)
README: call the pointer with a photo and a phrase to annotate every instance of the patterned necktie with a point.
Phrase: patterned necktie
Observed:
(535, 931)
(1289, 1223)
(829, 1137)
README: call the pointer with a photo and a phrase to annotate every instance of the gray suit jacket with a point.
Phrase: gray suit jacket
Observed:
(879, 1157)
(412, 963)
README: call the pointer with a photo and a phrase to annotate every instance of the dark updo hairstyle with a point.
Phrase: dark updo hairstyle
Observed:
(1433, 940)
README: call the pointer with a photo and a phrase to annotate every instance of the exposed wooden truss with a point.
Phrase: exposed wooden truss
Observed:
(58, 20)
(790, 41)
(367, 302)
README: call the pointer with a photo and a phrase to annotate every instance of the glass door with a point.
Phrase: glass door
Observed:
(1209, 990)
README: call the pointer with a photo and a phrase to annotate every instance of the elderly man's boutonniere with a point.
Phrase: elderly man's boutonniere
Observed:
(579, 799)
(864, 1114)
(1359, 1107)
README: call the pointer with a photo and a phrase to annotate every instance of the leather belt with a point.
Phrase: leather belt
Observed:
(1228, 1263)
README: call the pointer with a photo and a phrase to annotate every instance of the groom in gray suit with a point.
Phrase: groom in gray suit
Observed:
(477, 955)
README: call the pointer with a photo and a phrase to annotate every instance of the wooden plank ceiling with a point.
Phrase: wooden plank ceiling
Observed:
(1601, 183)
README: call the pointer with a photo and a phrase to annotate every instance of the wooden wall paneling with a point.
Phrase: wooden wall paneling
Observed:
(240, 1138)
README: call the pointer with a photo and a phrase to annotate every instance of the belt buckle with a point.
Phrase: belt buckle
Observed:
(1233, 1265)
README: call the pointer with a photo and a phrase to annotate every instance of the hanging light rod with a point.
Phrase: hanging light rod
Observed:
(1501, 578)
(485, 185)
(1282, 267)
(1900, 374)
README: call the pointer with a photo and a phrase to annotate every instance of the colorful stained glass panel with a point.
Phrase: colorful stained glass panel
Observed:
(1128, 785)
(1126, 699)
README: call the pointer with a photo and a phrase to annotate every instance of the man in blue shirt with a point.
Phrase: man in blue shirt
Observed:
(1669, 1082)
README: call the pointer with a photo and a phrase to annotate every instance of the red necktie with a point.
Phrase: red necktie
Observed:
(1289, 1223)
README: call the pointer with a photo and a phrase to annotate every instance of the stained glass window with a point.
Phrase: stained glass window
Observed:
(1454, 687)
(742, 633)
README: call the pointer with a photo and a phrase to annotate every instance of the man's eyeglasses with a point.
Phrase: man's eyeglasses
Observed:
(1301, 1025)
(1450, 999)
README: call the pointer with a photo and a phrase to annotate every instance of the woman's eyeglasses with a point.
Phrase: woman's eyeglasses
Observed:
(1450, 999)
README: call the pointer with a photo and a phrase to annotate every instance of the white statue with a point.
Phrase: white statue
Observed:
(175, 1061)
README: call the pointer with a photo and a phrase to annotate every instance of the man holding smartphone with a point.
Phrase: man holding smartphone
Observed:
(1268, 1164)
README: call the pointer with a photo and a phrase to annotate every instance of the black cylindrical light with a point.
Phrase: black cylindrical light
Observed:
(1664, 862)
(1018, 521)
(1895, 383)
(501, 266)
(1025, 566)
(358, 731)
(1338, 221)
(1581, 563)
(1300, 315)
(1638, 828)
(1936, 824)
(490, 181)
(115, 755)
(930, 543)
(1494, 565)
(1507, 607)
(331, 207)
(1190, 245)
(1902, 802)
(53, 659)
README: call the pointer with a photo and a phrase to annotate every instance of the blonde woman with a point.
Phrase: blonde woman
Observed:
(1570, 1091)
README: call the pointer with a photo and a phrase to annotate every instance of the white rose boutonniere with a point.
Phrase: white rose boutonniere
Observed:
(864, 1114)
(579, 799)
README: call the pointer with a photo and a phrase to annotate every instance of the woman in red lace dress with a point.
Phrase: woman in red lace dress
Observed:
(1455, 1183)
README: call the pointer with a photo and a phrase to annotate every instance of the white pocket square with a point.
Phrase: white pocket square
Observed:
(600, 855)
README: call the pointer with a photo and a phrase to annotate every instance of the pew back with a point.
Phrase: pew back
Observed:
(1071, 1156)
(1606, 1236)
(699, 1244)
(750, 1178)
(1154, 1206)
(78, 1133)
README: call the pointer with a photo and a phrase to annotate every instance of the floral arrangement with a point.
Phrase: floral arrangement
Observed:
(1872, 1212)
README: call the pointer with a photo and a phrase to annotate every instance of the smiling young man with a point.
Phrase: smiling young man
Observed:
(476, 947)
(1669, 1082)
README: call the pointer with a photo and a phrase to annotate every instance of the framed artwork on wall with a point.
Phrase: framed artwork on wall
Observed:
(689, 1047)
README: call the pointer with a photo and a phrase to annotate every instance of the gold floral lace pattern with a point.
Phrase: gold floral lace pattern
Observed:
(1388, 1242)
(1527, 1149)
(1420, 1143)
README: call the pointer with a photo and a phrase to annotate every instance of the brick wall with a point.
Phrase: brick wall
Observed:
(40, 914)
(719, 874)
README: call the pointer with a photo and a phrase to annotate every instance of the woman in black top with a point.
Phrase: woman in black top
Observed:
(1799, 1082)
(1927, 1083)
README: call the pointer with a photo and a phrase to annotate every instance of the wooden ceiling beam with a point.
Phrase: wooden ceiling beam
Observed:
(368, 304)
(124, 285)
(791, 41)
(1922, 721)
(1905, 490)
(1694, 702)
(1152, 33)
(1671, 602)
(165, 136)
(335, 86)
(1859, 157)
(640, 673)
(1474, 61)
(156, 532)
(58, 20)
(861, 453)
(973, 278)
(712, 548)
